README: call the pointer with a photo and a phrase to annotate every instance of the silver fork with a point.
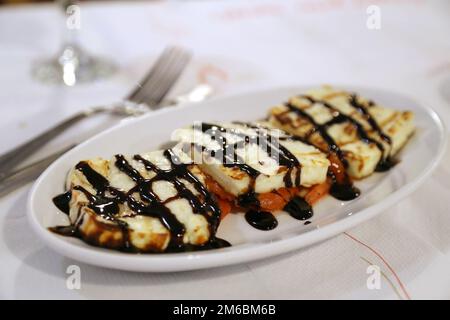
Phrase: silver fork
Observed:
(147, 95)
(19, 177)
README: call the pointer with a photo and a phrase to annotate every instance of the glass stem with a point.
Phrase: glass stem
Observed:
(71, 21)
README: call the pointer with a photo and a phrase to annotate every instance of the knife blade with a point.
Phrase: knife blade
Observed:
(29, 173)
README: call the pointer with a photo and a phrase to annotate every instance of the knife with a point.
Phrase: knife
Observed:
(27, 174)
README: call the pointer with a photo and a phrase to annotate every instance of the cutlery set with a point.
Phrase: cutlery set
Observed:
(149, 94)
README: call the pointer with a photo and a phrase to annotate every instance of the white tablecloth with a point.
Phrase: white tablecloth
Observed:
(239, 46)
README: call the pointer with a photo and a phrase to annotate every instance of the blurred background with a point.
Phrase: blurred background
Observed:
(238, 45)
(20, 1)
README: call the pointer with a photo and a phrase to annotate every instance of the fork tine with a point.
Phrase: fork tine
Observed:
(173, 72)
(161, 77)
(149, 89)
(155, 91)
(162, 60)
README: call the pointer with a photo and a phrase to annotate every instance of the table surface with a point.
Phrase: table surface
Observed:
(239, 46)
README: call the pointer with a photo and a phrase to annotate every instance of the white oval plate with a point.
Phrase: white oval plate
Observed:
(331, 217)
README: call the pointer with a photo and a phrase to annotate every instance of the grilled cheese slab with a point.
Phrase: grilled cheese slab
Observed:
(259, 158)
(368, 135)
(146, 203)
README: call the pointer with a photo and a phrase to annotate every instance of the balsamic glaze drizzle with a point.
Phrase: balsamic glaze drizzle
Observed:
(107, 199)
(267, 142)
(99, 182)
(342, 191)
(263, 139)
(346, 191)
(372, 122)
(386, 162)
(322, 130)
(299, 209)
(62, 201)
(259, 219)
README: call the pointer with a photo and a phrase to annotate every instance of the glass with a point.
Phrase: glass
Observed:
(72, 64)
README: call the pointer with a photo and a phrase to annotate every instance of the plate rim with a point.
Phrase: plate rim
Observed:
(224, 257)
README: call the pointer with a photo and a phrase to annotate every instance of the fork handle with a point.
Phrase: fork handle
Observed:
(12, 158)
